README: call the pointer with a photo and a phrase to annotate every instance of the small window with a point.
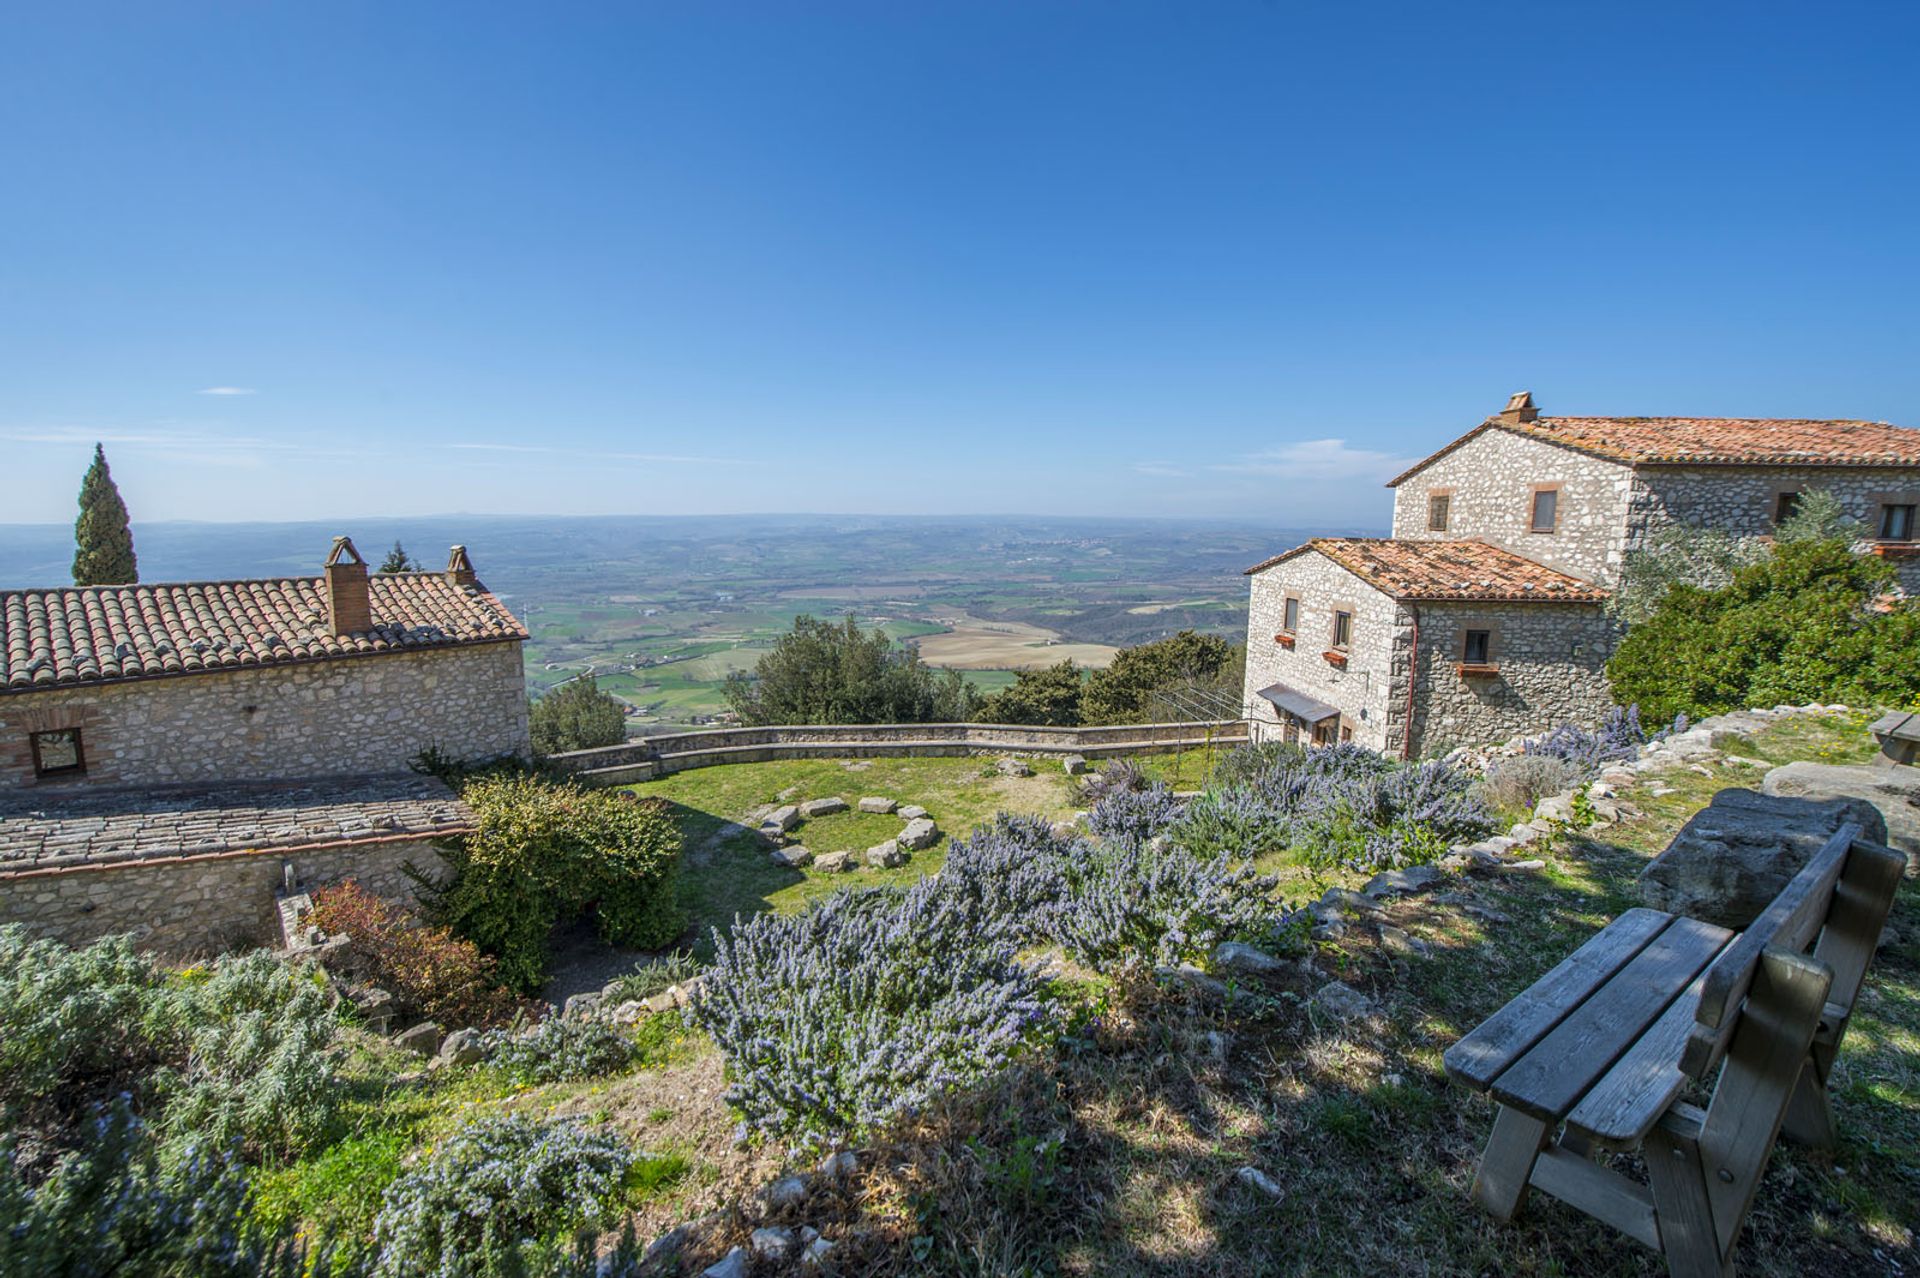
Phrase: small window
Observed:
(1346, 734)
(1896, 522)
(1439, 506)
(57, 753)
(1342, 631)
(1785, 507)
(1546, 510)
(1290, 615)
(1323, 731)
(1478, 650)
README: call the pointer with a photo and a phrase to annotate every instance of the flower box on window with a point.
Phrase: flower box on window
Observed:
(1335, 658)
(1477, 669)
(1284, 639)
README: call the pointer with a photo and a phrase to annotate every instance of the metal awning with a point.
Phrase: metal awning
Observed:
(1299, 704)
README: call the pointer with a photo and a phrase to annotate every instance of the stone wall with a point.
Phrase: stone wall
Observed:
(186, 907)
(324, 718)
(1541, 683)
(1491, 481)
(1362, 689)
(1744, 499)
(651, 757)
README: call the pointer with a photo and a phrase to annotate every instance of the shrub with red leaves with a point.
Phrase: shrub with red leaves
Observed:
(430, 972)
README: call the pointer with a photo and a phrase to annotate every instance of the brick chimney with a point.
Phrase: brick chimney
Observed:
(460, 569)
(1519, 408)
(349, 610)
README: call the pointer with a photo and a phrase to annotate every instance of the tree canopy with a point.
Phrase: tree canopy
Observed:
(398, 560)
(835, 672)
(1135, 688)
(103, 541)
(1048, 697)
(576, 716)
(1811, 622)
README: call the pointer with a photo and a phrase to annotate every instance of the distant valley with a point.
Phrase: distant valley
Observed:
(661, 610)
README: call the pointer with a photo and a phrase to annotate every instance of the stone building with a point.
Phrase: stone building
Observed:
(163, 747)
(1481, 617)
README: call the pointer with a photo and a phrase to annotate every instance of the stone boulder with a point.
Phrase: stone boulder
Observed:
(920, 833)
(1732, 858)
(822, 807)
(1075, 765)
(462, 1047)
(423, 1038)
(873, 803)
(781, 819)
(791, 857)
(885, 856)
(1014, 768)
(912, 812)
(1894, 793)
(833, 862)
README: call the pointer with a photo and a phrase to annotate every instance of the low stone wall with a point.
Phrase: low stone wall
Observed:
(188, 906)
(659, 756)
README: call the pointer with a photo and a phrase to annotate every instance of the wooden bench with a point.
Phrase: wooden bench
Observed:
(1899, 737)
(1596, 1054)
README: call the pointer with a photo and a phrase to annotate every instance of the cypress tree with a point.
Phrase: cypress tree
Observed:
(103, 543)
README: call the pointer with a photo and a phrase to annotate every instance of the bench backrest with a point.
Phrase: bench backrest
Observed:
(1836, 904)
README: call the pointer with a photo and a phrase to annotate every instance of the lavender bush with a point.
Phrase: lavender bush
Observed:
(1618, 737)
(1133, 906)
(496, 1188)
(1134, 816)
(867, 1006)
(1012, 877)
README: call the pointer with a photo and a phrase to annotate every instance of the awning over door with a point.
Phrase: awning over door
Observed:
(1299, 704)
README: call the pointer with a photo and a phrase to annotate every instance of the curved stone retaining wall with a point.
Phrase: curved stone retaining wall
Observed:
(645, 759)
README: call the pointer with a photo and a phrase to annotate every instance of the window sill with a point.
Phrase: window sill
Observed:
(1284, 640)
(1477, 669)
(1895, 549)
(1335, 658)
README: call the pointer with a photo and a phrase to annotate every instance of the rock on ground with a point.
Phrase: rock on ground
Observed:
(1894, 793)
(886, 855)
(833, 862)
(792, 857)
(781, 819)
(1246, 960)
(920, 833)
(822, 807)
(1254, 1178)
(1733, 856)
(874, 803)
(732, 1265)
(1345, 1002)
(423, 1038)
(912, 812)
(1415, 878)
(1014, 768)
(1074, 764)
(462, 1047)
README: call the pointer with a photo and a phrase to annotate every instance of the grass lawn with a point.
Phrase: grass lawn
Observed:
(727, 872)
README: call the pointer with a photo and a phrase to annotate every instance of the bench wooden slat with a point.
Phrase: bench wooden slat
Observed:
(1558, 1070)
(1790, 923)
(1504, 1037)
(1628, 1100)
(1616, 1200)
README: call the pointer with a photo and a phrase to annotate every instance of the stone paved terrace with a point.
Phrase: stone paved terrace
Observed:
(42, 831)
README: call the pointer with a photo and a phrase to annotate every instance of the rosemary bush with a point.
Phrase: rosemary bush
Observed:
(1134, 815)
(1616, 738)
(1133, 906)
(498, 1189)
(560, 1049)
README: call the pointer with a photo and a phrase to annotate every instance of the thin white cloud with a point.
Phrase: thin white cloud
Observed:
(1165, 470)
(1319, 459)
(593, 454)
(227, 390)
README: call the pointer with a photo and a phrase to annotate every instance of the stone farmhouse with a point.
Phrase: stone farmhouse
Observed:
(172, 753)
(1482, 616)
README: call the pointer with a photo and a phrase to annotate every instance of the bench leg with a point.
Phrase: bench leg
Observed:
(1809, 1117)
(1500, 1185)
(1682, 1208)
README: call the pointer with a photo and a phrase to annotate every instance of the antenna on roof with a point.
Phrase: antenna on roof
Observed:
(1519, 408)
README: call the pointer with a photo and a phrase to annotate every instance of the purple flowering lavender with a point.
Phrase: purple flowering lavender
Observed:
(1617, 737)
(1134, 815)
(1135, 905)
(866, 1007)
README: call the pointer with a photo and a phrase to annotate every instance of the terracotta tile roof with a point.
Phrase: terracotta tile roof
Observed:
(99, 634)
(1713, 441)
(43, 831)
(1443, 570)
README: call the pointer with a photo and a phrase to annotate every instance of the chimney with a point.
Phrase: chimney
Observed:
(348, 608)
(1519, 408)
(460, 569)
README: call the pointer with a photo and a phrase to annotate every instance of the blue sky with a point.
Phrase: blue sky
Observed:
(1088, 258)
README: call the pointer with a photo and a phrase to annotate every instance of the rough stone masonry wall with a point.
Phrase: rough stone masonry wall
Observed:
(1361, 690)
(1744, 499)
(1542, 681)
(195, 906)
(325, 718)
(1492, 479)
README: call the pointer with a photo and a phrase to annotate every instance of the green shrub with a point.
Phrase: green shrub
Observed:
(258, 1074)
(576, 716)
(652, 977)
(543, 850)
(496, 1190)
(1803, 625)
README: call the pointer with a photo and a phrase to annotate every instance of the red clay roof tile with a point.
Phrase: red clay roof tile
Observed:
(76, 635)
(1436, 571)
